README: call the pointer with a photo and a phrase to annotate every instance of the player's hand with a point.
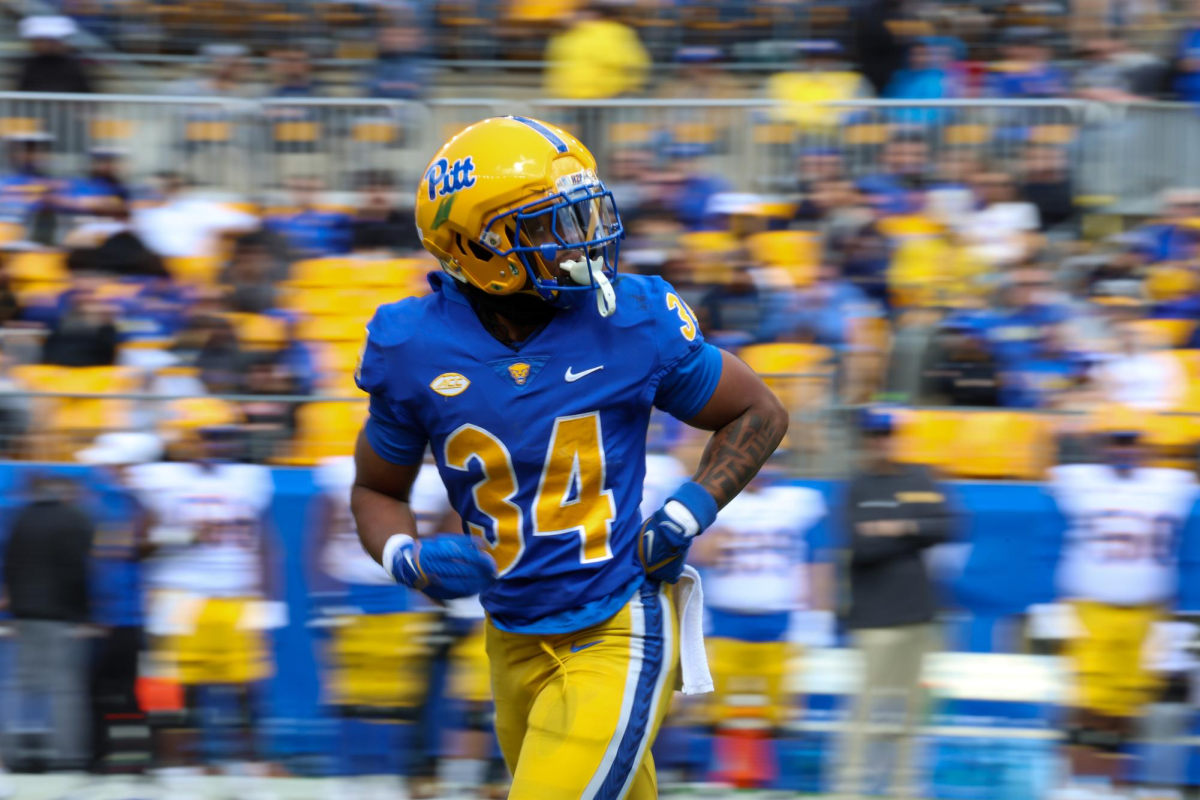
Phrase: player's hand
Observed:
(667, 534)
(444, 567)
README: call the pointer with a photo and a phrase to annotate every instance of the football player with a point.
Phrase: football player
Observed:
(1118, 570)
(761, 583)
(531, 371)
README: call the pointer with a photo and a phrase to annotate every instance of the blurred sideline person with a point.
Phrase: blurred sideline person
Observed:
(894, 513)
(211, 581)
(46, 577)
(597, 57)
(1118, 570)
(118, 552)
(761, 583)
(390, 658)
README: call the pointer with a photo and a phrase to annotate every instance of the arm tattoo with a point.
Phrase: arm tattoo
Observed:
(736, 452)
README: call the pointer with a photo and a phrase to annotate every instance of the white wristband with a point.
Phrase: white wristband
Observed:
(684, 516)
(394, 543)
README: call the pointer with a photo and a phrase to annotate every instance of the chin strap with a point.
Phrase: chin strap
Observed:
(587, 271)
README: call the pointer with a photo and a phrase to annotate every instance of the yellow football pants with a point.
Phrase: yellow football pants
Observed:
(1108, 656)
(576, 712)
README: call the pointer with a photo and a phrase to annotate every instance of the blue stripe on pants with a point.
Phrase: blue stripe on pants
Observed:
(640, 716)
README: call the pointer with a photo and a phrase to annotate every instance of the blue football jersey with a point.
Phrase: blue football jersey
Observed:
(542, 447)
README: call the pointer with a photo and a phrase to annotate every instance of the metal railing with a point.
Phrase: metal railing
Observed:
(1126, 153)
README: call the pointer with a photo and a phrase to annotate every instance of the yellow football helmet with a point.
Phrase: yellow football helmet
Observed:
(511, 204)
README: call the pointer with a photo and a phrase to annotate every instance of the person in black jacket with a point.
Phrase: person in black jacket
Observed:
(51, 66)
(46, 564)
(894, 513)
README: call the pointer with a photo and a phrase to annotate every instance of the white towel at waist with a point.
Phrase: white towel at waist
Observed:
(688, 597)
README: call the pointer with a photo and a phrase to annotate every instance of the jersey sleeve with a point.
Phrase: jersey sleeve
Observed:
(392, 428)
(688, 367)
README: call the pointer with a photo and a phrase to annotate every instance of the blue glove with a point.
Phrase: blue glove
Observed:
(445, 566)
(667, 535)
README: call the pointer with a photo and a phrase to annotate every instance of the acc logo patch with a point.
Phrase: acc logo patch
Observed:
(449, 384)
(519, 373)
(445, 178)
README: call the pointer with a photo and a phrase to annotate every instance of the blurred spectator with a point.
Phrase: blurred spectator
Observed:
(292, 74)
(596, 57)
(102, 184)
(1046, 183)
(1187, 65)
(880, 43)
(46, 576)
(950, 197)
(894, 513)
(379, 226)
(224, 74)
(310, 230)
(1018, 330)
(109, 245)
(1138, 374)
(27, 190)
(1046, 375)
(84, 335)
(117, 588)
(687, 186)
(257, 265)
(1174, 235)
(1025, 70)
(819, 167)
(269, 423)
(51, 65)
(208, 342)
(960, 370)
(183, 226)
(701, 74)
(400, 71)
(824, 312)
(930, 75)
(822, 76)
(1000, 232)
(1111, 74)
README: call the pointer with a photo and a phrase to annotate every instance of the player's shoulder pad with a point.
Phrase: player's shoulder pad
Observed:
(394, 328)
(652, 306)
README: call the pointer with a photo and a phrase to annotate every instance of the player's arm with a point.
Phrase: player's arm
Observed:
(379, 498)
(443, 566)
(748, 422)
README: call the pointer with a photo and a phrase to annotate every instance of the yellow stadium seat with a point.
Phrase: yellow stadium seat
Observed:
(325, 430)
(376, 131)
(799, 374)
(1167, 282)
(1163, 333)
(18, 126)
(258, 331)
(1001, 444)
(111, 130)
(39, 294)
(927, 437)
(196, 270)
(967, 134)
(539, 10)
(774, 133)
(630, 134)
(866, 134)
(42, 266)
(322, 272)
(909, 225)
(695, 133)
(1052, 134)
(334, 357)
(708, 242)
(88, 416)
(797, 252)
(208, 131)
(297, 131)
(333, 329)
(193, 413)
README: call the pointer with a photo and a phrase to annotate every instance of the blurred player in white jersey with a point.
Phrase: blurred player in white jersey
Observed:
(1119, 572)
(395, 652)
(762, 591)
(209, 608)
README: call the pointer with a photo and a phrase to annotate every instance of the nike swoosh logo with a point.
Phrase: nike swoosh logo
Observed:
(574, 376)
(575, 648)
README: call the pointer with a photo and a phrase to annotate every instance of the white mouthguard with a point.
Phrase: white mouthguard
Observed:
(586, 270)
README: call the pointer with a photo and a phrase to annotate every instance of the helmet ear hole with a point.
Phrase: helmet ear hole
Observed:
(480, 252)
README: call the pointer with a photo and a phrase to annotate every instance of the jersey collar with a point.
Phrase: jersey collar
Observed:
(441, 282)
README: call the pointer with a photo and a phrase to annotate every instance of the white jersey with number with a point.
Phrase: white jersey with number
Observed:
(1123, 532)
(761, 550)
(211, 519)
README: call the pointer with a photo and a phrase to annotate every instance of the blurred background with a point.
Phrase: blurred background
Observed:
(960, 238)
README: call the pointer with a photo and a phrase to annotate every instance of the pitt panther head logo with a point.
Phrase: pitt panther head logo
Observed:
(445, 178)
(519, 373)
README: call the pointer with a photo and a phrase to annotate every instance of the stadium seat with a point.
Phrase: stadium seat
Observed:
(196, 270)
(708, 242)
(194, 413)
(630, 134)
(797, 252)
(927, 437)
(333, 329)
(1167, 282)
(37, 266)
(84, 418)
(258, 331)
(375, 131)
(866, 134)
(322, 272)
(325, 430)
(19, 126)
(961, 135)
(111, 131)
(297, 132)
(1001, 444)
(1163, 333)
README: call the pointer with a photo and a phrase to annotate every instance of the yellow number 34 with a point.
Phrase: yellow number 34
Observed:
(574, 461)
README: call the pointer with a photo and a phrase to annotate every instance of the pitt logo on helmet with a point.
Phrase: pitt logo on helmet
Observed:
(519, 373)
(445, 178)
